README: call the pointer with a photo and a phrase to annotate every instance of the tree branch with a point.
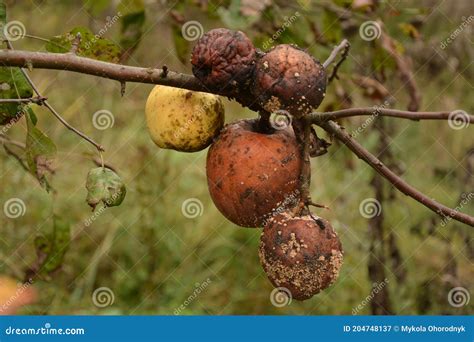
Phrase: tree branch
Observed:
(36, 100)
(334, 129)
(343, 46)
(51, 109)
(379, 111)
(121, 73)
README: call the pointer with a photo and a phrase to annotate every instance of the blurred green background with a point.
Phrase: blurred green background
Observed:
(153, 258)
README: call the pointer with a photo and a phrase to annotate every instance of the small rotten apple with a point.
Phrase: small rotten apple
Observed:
(183, 120)
(288, 78)
(251, 174)
(223, 58)
(302, 254)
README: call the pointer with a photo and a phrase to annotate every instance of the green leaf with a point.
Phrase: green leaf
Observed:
(104, 185)
(13, 85)
(181, 45)
(40, 151)
(52, 247)
(91, 46)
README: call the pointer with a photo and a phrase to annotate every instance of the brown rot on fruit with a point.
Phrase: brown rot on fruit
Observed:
(223, 59)
(302, 254)
(288, 78)
(250, 174)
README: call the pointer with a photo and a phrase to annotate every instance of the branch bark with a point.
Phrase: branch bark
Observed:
(379, 111)
(334, 129)
(121, 73)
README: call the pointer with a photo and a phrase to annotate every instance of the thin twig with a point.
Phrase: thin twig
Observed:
(334, 129)
(460, 116)
(344, 45)
(36, 100)
(75, 43)
(305, 178)
(52, 110)
(344, 55)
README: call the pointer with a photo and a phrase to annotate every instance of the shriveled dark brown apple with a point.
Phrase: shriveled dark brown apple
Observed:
(251, 174)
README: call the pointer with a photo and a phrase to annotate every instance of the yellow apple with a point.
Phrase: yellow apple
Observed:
(183, 120)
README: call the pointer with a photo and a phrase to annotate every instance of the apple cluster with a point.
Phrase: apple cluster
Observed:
(254, 176)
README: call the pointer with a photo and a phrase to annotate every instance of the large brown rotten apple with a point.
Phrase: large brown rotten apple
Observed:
(250, 174)
(288, 78)
(302, 254)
